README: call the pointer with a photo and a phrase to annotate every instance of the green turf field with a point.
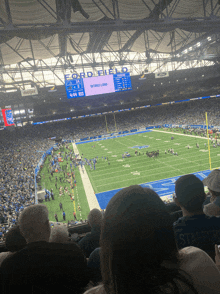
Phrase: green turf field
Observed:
(142, 169)
(128, 171)
(69, 206)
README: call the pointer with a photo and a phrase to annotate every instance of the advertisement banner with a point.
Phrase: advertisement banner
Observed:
(8, 117)
(161, 75)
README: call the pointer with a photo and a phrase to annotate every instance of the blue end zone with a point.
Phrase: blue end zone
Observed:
(164, 187)
(112, 137)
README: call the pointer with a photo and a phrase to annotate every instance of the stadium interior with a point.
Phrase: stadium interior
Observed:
(63, 148)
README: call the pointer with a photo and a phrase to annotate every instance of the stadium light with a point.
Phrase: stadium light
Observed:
(13, 90)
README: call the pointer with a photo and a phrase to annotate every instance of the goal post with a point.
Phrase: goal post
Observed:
(106, 124)
(207, 131)
(116, 129)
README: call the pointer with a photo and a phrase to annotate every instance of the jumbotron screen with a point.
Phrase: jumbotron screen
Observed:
(8, 117)
(82, 87)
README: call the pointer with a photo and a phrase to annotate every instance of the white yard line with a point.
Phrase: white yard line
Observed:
(180, 134)
(91, 198)
(122, 143)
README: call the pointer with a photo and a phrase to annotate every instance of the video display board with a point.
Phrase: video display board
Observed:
(83, 87)
(8, 117)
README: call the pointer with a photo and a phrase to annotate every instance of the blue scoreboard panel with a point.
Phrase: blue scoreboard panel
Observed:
(76, 88)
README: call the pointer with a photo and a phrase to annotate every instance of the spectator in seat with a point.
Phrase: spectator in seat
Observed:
(212, 208)
(93, 262)
(14, 242)
(194, 228)
(44, 264)
(59, 234)
(91, 241)
(138, 251)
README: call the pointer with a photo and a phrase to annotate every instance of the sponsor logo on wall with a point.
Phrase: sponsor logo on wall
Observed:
(162, 75)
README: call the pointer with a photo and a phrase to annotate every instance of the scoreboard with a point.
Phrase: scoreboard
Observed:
(82, 87)
(7, 117)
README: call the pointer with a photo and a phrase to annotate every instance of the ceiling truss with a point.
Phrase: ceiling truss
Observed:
(160, 26)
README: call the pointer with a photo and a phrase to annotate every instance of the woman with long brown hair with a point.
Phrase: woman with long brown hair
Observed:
(138, 250)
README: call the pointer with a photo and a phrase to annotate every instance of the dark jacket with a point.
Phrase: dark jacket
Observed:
(200, 231)
(46, 264)
(94, 264)
(91, 241)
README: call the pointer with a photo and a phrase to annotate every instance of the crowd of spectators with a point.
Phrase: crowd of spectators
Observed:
(139, 236)
(134, 246)
(22, 148)
(185, 113)
(19, 156)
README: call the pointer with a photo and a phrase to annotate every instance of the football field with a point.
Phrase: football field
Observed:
(116, 172)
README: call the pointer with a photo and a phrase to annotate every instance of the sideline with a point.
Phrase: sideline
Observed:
(180, 134)
(113, 137)
(90, 194)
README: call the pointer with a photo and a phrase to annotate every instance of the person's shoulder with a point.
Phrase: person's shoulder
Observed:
(97, 250)
(10, 259)
(95, 253)
(211, 204)
(212, 218)
(203, 270)
(191, 250)
(4, 255)
(87, 236)
(193, 257)
(96, 290)
(180, 221)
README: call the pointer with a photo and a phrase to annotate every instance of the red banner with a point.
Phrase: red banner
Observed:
(7, 117)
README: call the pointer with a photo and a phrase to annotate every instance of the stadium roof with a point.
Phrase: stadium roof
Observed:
(42, 40)
(40, 29)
